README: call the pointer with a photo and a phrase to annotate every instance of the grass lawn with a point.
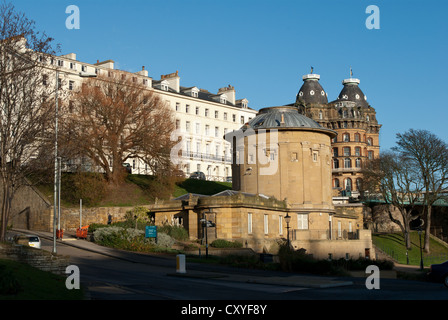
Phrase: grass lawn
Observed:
(393, 245)
(35, 284)
(200, 187)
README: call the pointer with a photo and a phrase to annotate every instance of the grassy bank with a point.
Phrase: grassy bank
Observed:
(20, 281)
(393, 245)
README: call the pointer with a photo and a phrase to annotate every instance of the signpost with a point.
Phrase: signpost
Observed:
(151, 232)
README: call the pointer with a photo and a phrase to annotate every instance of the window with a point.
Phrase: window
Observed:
(197, 110)
(216, 114)
(315, 155)
(198, 128)
(335, 152)
(369, 142)
(357, 137)
(187, 126)
(177, 124)
(216, 131)
(71, 85)
(280, 224)
(225, 115)
(347, 163)
(206, 112)
(44, 80)
(346, 137)
(370, 155)
(242, 119)
(177, 106)
(358, 151)
(336, 183)
(266, 224)
(72, 65)
(207, 130)
(60, 63)
(335, 164)
(358, 162)
(320, 115)
(346, 151)
(348, 184)
(234, 117)
(84, 68)
(187, 108)
(249, 223)
(302, 221)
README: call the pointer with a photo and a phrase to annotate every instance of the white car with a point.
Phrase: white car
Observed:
(30, 240)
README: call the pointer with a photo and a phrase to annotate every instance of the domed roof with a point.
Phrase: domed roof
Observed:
(283, 117)
(352, 92)
(311, 91)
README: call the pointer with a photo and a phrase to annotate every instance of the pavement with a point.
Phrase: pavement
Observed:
(215, 272)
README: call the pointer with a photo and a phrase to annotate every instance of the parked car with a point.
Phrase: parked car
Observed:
(30, 240)
(439, 273)
(229, 179)
(197, 175)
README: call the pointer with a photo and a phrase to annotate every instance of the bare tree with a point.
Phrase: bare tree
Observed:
(115, 119)
(396, 182)
(430, 154)
(24, 103)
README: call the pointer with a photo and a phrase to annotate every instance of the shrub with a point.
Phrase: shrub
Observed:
(221, 243)
(139, 213)
(177, 232)
(163, 240)
(88, 186)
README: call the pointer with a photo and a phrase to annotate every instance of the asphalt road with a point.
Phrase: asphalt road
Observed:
(109, 278)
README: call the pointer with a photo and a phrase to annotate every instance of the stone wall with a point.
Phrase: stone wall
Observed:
(31, 210)
(37, 258)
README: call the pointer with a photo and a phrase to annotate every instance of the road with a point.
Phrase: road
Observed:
(155, 278)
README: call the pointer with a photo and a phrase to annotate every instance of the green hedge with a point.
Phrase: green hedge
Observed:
(221, 243)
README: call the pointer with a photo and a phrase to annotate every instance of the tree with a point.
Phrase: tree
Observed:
(25, 106)
(115, 119)
(396, 182)
(430, 154)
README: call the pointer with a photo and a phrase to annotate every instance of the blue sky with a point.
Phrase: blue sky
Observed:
(263, 48)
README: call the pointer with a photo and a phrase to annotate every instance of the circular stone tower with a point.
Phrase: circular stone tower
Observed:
(284, 154)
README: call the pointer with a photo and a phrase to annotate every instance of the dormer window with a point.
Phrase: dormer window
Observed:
(222, 100)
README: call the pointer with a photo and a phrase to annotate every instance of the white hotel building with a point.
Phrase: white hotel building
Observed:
(202, 117)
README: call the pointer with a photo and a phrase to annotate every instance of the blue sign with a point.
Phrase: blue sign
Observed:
(151, 232)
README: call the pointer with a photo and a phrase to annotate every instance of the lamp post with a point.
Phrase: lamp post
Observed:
(57, 176)
(287, 220)
(421, 253)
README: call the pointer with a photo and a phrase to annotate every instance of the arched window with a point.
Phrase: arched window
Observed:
(358, 162)
(347, 163)
(346, 137)
(369, 142)
(335, 164)
(336, 183)
(357, 137)
(320, 114)
(348, 184)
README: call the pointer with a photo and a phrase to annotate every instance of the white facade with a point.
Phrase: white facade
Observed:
(202, 118)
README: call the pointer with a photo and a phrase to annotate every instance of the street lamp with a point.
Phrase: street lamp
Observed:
(421, 253)
(287, 220)
(205, 222)
(57, 159)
